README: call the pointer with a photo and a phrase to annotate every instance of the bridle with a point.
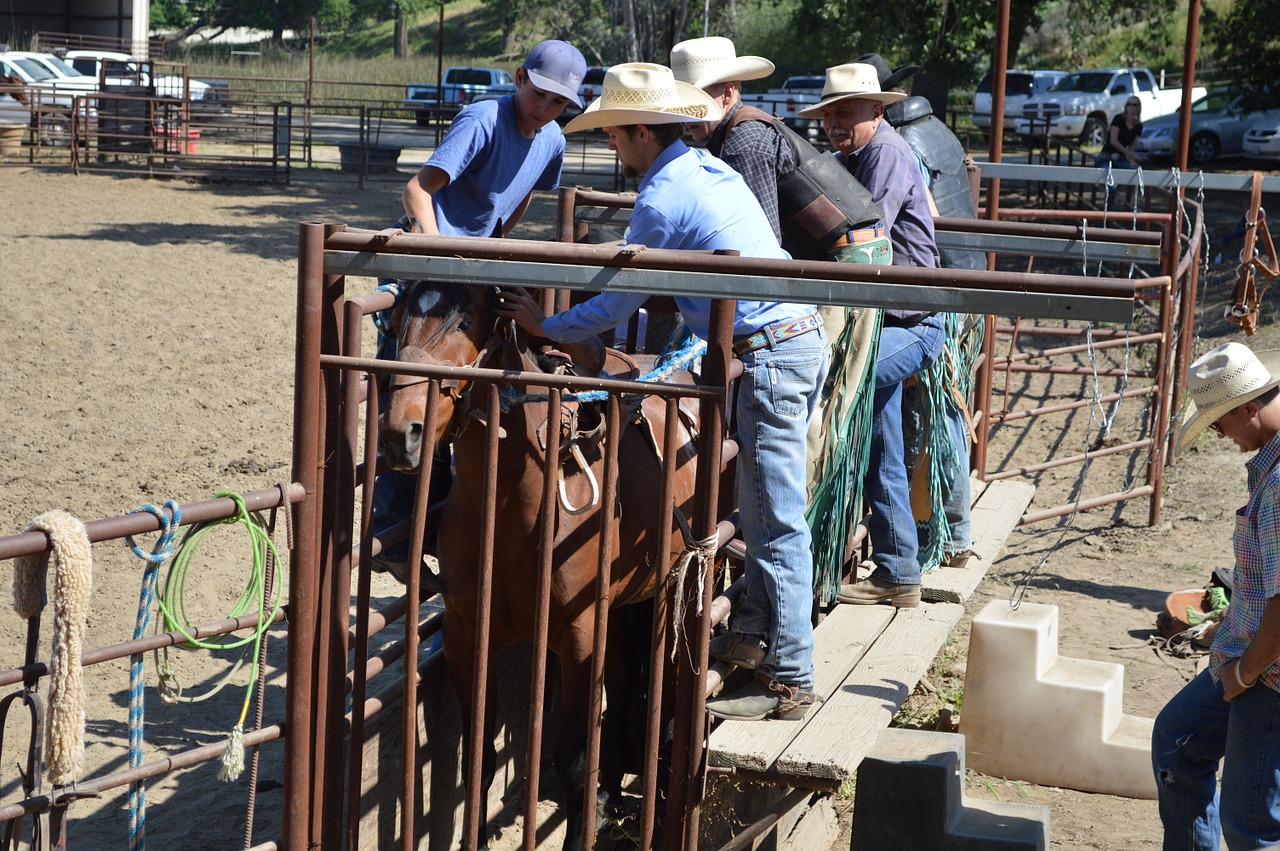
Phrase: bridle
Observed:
(458, 390)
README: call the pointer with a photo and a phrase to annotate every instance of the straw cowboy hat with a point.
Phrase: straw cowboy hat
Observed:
(1223, 379)
(888, 79)
(851, 80)
(706, 61)
(642, 93)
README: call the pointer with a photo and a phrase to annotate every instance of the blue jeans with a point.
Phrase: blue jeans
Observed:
(1195, 732)
(903, 352)
(1116, 163)
(777, 394)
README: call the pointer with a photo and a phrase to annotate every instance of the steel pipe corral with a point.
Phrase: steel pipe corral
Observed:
(598, 268)
(695, 274)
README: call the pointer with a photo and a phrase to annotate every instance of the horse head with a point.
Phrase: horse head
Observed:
(443, 324)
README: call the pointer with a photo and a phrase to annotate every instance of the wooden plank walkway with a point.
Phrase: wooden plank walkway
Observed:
(997, 507)
(868, 659)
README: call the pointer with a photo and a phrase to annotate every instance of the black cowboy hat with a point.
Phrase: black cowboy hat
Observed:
(888, 79)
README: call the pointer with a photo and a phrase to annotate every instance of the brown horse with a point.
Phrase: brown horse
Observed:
(449, 323)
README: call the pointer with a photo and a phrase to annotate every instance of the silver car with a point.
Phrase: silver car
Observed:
(1218, 124)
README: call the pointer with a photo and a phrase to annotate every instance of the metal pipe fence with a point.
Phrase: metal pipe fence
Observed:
(50, 814)
(1151, 349)
(330, 323)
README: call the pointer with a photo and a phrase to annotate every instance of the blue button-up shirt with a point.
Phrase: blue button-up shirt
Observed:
(687, 200)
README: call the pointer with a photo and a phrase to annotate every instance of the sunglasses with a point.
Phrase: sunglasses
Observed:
(1217, 424)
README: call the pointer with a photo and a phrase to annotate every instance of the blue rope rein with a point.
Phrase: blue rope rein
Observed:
(170, 519)
(677, 357)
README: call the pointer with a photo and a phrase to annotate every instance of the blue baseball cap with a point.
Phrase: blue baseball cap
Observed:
(557, 67)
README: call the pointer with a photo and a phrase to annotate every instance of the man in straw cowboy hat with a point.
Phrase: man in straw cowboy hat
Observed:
(852, 113)
(1230, 713)
(753, 149)
(944, 167)
(688, 199)
(753, 145)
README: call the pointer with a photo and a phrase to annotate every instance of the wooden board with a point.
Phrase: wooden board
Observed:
(996, 510)
(841, 640)
(847, 726)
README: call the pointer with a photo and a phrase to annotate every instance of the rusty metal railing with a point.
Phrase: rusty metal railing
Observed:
(52, 812)
(343, 375)
(1166, 299)
(334, 382)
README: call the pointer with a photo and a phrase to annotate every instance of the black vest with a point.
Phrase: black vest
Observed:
(820, 200)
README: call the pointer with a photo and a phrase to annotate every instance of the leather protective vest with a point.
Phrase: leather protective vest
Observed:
(945, 160)
(820, 200)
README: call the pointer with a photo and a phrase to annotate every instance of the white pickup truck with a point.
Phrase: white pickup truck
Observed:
(1083, 103)
(113, 68)
(795, 94)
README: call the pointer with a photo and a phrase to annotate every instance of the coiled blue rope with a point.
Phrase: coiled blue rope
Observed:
(170, 519)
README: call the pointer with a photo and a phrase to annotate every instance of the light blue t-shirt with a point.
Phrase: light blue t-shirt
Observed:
(491, 167)
(688, 200)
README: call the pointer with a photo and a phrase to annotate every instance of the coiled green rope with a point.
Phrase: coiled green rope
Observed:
(172, 603)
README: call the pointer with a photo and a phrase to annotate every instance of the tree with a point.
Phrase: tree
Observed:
(1247, 40)
(953, 40)
(276, 16)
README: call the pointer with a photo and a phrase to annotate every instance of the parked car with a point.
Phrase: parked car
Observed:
(1262, 141)
(461, 86)
(1218, 124)
(1082, 104)
(50, 99)
(120, 69)
(592, 81)
(1018, 86)
(588, 89)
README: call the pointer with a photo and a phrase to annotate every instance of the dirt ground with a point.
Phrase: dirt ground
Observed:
(150, 337)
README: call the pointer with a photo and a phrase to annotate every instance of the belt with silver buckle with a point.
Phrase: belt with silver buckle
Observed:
(854, 237)
(777, 332)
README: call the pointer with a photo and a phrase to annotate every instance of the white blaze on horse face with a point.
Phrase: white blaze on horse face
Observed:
(428, 299)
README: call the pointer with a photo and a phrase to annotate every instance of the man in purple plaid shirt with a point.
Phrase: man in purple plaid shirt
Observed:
(1230, 713)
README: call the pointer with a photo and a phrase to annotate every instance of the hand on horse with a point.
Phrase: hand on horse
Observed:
(516, 303)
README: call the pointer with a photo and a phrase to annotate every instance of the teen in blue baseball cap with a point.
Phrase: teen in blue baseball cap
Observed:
(557, 67)
(479, 182)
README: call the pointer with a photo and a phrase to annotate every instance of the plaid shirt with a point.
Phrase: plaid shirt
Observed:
(1256, 578)
(758, 152)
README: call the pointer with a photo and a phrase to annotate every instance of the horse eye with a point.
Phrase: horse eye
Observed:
(464, 324)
